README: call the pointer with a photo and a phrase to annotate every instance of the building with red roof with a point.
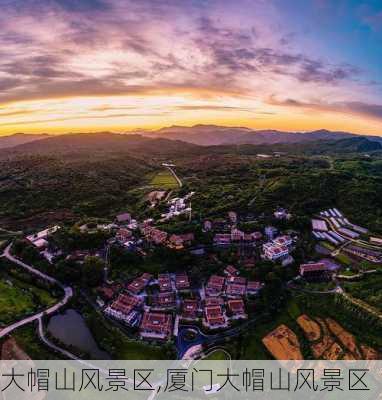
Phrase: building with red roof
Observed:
(214, 317)
(237, 309)
(238, 280)
(125, 308)
(190, 309)
(154, 235)
(235, 290)
(181, 281)
(315, 271)
(164, 281)
(284, 240)
(253, 287)
(156, 325)
(123, 235)
(237, 235)
(274, 251)
(213, 301)
(107, 292)
(138, 284)
(165, 300)
(215, 285)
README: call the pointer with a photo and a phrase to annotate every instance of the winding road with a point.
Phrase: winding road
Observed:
(68, 293)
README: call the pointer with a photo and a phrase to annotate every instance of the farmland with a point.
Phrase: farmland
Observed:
(164, 179)
(283, 344)
(328, 341)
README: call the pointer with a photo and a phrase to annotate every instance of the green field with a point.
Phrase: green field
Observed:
(343, 259)
(327, 245)
(18, 299)
(164, 180)
(14, 302)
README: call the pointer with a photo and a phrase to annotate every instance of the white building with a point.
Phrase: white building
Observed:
(274, 252)
(43, 234)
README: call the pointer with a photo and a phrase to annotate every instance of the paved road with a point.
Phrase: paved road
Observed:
(175, 176)
(67, 290)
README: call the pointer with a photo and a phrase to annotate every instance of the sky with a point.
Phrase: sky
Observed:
(121, 65)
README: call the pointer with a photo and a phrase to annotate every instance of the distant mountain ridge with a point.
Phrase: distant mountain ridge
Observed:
(200, 135)
(20, 138)
(210, 135)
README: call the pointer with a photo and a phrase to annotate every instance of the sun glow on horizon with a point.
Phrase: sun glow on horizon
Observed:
(119, 66)
(123, 114)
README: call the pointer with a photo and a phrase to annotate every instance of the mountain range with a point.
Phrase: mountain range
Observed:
(210, 135)
(200, 135)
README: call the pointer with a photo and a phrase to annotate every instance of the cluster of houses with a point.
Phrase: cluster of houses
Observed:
(159, 237)
(178, 206)
(156, 305)
(236, 235)
(132, 234)
(274, 248)
(224, 298)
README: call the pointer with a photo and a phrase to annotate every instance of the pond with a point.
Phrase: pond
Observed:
(70, 328)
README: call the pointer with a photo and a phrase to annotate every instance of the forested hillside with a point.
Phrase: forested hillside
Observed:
(67, 177)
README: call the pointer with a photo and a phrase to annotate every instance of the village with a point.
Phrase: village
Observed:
(155, 306)
(161, 306)
(192, 310)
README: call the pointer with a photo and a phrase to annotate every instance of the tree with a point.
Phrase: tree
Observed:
(68, 271)
(92, 271)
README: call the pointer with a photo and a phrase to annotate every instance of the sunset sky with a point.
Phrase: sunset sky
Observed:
(119, 65)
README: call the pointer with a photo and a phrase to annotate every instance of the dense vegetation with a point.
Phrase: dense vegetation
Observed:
(67, 178)
(368, 289)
